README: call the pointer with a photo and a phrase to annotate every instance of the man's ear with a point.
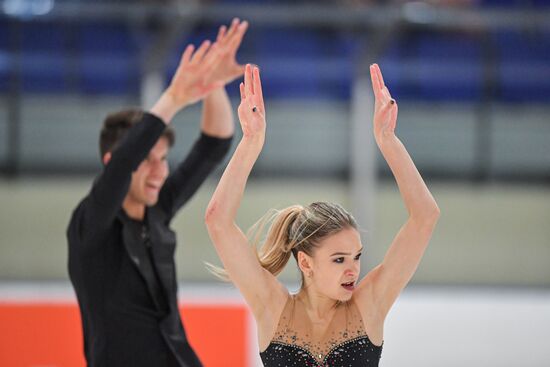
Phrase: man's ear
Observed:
(106, 158)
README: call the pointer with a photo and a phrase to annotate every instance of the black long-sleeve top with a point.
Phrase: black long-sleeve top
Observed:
(127, 289)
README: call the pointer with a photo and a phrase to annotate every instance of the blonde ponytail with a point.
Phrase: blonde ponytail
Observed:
(293, 229)
(277, 248)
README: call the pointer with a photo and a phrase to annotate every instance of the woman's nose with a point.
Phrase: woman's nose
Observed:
(351, 271)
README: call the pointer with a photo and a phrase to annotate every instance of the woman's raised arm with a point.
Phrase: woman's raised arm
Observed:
(260, 288)
(384, 283)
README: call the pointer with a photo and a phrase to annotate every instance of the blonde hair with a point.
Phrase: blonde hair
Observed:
(293, 229)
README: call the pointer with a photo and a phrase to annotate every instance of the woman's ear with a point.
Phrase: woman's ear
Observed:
(305, 263)
(106, 158)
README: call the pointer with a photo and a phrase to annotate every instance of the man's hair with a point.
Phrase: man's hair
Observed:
(117, 124)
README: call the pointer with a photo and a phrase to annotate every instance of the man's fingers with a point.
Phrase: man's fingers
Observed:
(221, 33)
(186, 56)
(239, 32)
(199, 54)
(237, 38)
(225, 37)
(232, 28)
(211, 60)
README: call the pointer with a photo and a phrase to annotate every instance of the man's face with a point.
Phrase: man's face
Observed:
(149, 177)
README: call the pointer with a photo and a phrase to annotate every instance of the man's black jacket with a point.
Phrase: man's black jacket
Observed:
(127, 293)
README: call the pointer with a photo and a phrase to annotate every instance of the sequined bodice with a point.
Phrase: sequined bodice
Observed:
(356, 352)
(345, 343)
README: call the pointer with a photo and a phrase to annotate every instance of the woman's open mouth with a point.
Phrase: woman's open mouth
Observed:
(349, 286)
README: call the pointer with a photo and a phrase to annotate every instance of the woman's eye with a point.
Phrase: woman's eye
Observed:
(339, 260)
(357, 257)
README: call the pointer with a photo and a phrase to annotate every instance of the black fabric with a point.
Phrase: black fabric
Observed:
(118, 281)
(149, 268)
(357, 352)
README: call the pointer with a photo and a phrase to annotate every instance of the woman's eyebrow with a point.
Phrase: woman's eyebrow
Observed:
(345, 253)
(340, 253)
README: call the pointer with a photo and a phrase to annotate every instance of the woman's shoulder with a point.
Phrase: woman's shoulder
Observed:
(269, 322)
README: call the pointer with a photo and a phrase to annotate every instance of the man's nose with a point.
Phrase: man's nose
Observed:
(158, 168)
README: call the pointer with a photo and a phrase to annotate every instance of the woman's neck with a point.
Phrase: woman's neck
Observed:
(320, 308)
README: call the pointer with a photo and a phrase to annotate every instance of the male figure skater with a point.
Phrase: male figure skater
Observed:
(121, 249)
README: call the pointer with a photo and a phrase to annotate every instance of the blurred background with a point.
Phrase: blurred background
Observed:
(472, 78)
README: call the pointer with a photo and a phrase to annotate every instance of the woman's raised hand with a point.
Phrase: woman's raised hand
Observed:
(385, 107)
(252, 110)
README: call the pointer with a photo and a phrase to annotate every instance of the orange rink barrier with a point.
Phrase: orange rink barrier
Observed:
(35, 334)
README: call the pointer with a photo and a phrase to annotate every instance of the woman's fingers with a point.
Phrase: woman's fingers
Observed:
(243, 93)
(380, 77)
(393, 111)
(385, 108)
(252, 87)
(248, 85)
(381, 92)
(375, 82)
(378, 85)
(258, 88)
(386, 94)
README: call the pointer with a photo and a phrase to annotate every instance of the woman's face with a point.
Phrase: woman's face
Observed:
(335, 264)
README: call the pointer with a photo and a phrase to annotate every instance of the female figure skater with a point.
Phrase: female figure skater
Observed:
(333, 320)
